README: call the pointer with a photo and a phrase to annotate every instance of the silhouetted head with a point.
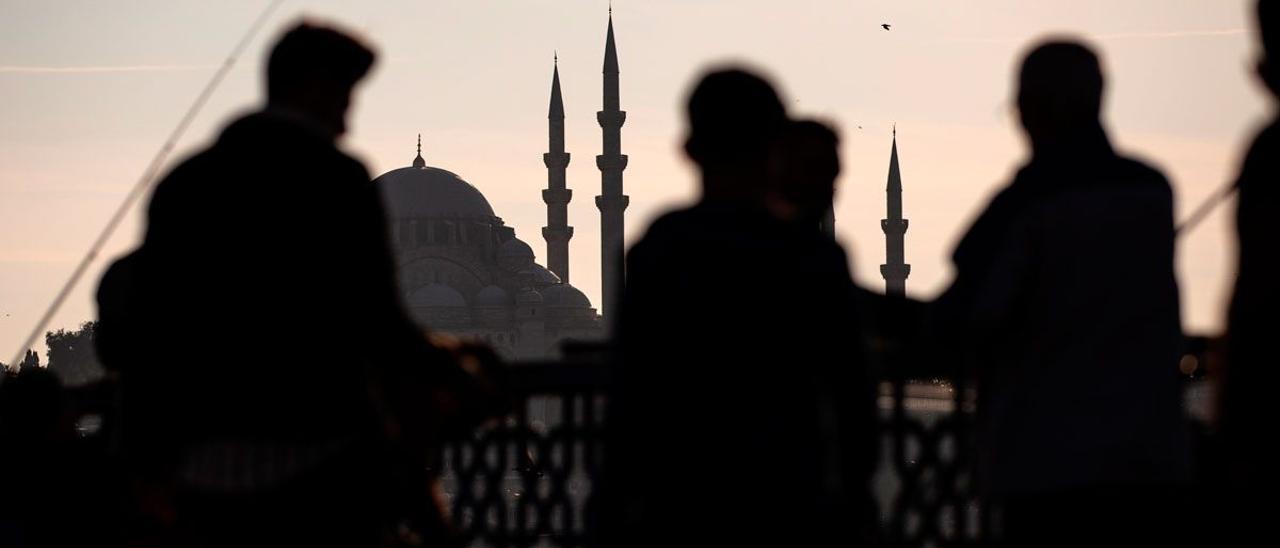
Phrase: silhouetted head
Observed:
(1269, 32)
(734, 118)
(1060, 94)
(806, 162)
(312, 70)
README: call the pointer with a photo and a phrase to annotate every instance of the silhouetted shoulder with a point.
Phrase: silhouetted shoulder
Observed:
(675, 223)
(1135, 171)
(1263, 159)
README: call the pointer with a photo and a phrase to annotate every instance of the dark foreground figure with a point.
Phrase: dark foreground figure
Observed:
(1066, 303)
(274, 392)
(743, 425)
(1248, 467)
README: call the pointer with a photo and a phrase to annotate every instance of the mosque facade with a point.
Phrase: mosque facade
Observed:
(463, 271)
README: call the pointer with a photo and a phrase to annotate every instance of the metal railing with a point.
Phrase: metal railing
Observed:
(531, 480)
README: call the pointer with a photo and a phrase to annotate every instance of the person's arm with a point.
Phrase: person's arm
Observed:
(984, 298)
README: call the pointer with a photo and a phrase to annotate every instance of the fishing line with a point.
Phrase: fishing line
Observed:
(1211, 203)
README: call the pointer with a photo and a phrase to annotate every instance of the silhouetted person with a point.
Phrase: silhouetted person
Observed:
(730, 424)
(1252, 370)
(257, 318)
(1065, 309)
(806, 163)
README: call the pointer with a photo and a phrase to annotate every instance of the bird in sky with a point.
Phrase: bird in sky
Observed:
(885, 25)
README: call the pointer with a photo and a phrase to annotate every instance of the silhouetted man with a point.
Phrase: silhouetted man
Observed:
(806, 163)
(251, 326)
(1065, 307)
(728, 424)
(1252, 370)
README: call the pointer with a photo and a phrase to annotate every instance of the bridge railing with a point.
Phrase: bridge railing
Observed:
(531, 480)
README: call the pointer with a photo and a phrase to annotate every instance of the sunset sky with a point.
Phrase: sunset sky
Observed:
(89, 90)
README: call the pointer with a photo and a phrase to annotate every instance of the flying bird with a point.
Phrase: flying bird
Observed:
(885, 25)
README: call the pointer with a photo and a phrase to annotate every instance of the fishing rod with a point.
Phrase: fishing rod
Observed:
(1211, 203)
(148, 178)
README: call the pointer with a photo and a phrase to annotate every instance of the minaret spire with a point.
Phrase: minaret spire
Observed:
(419, 162)
(611, 201)
(557, 232)
(895, 270)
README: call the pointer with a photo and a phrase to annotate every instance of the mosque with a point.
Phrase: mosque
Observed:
(464, 272)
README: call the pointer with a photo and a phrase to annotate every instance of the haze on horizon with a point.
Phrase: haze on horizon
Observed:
(90, 91)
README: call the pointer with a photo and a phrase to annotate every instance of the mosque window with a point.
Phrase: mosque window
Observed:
(421, 233)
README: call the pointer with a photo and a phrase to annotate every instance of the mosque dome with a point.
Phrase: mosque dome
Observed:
(515, 255)
(421, 191)
(539, 275)
(493, 296)
(529, 295)
(436, 295)
(562, 295)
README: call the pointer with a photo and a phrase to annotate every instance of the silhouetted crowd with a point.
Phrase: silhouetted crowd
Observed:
(753, 422)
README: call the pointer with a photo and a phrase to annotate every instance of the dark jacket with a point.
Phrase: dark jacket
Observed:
(743, 410)
(1252, 369)
(262, 298)
(1065, 308)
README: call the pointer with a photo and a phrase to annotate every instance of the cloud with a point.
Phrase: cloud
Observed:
(28, 69)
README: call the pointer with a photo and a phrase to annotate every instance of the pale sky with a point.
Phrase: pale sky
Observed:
(89, 90)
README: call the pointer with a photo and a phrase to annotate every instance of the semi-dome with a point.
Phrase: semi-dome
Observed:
(426, 192)
(539, 275)
(529, 295)
(493, 296)
(436, 295)
(563, 295)
(515, 255)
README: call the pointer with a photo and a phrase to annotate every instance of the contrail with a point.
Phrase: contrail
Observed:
(1209, 33)
(20, 69)
(1169, 34)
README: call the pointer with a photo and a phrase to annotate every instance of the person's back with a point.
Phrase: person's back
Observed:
(1245, 467)
(1077, 317)
(728, 322)
(1065, 308)
(251, 325)
(241, 245)
(1250, 371)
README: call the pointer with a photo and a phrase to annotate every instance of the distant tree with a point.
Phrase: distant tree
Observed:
(30, 361)
(72, 355)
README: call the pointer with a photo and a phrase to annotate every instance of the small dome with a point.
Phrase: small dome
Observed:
(538, 275)
(563, 295)
(493, 296)
(529, 295)
(436, 295)
(515, 255)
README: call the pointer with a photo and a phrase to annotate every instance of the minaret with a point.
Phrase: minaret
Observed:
(611, 201)
(557, 232)
(895, 270)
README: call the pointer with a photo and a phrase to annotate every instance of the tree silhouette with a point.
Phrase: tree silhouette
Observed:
(72, 356)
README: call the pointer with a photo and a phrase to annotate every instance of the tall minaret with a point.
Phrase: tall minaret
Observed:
(895, 270)
(611, 201)
(557, 232)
